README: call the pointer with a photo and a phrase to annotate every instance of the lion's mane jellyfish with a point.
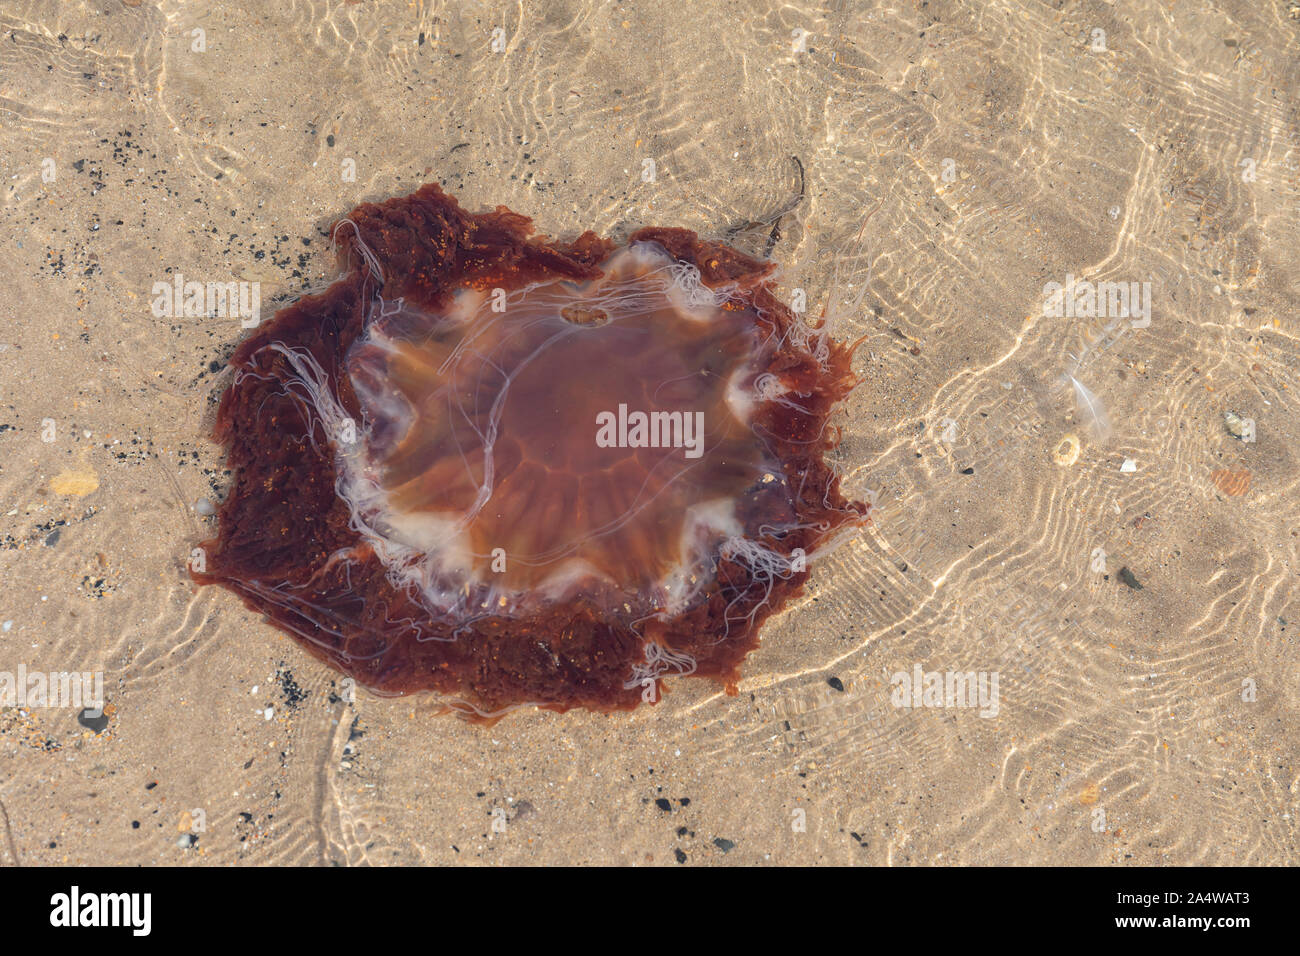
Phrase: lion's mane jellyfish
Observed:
(514, 471)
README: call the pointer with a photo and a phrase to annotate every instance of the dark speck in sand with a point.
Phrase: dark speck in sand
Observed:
(836, 683)
(723, 844)
(664, 805)
(95, 720)
(968, 471)
(1130, 579)
(681, 857)
(293, 694)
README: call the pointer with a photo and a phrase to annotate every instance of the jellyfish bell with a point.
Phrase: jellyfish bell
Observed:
(519, 471)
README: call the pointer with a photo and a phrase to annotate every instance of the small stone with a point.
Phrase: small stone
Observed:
(205, 508)
(836, 683)
(725, 845)
(186, 840)
(93, 719)
(1067, 450)
(1235, 424)
(1130, 579)
(1129, 466)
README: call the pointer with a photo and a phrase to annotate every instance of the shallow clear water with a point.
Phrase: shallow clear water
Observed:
(931, 171)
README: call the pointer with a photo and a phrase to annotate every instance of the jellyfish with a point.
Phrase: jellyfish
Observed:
(516, 471)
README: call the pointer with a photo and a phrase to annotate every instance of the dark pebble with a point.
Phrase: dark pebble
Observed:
(97, 724)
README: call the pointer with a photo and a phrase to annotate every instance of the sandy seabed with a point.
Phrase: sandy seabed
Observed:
(931, 171)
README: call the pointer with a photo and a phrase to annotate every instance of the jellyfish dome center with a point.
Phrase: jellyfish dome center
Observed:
(562, 438)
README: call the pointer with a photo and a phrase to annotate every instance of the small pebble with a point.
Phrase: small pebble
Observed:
(1235, 424)
(205, 507)
(1129, 466)
(93, 719)
(1067, 450)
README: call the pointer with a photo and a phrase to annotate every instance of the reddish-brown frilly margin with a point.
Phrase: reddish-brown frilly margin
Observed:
(341, 528)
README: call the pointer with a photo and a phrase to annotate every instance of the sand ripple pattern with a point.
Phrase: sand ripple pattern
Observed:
(921, 172)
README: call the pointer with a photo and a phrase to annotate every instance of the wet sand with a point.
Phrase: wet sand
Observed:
(931, 171)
